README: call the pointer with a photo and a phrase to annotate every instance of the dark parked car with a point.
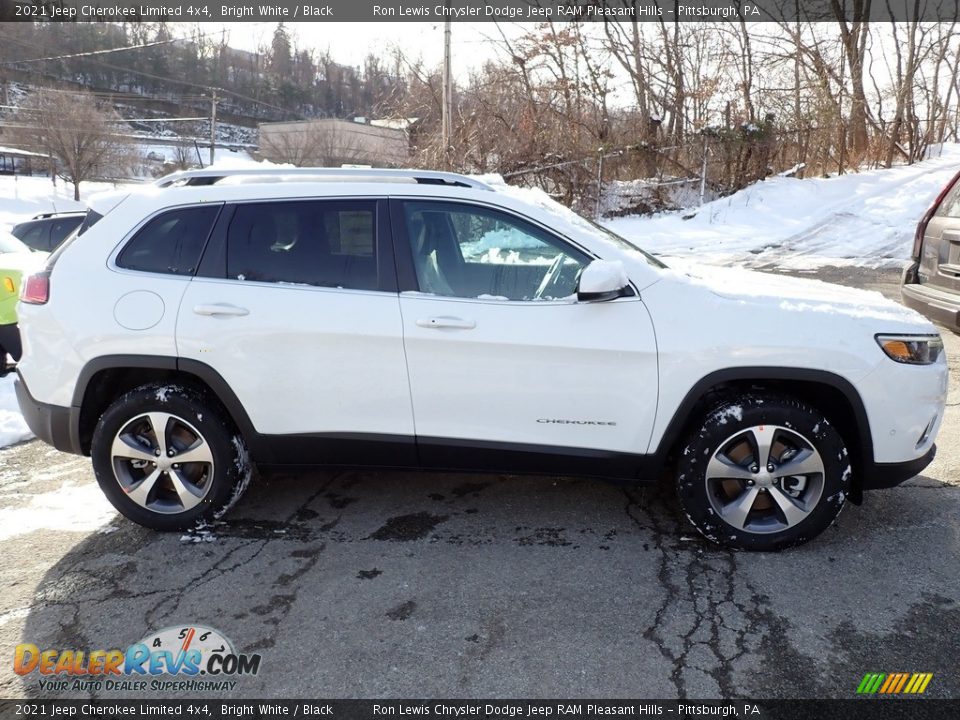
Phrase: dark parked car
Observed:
(931, 283)
(45, 232)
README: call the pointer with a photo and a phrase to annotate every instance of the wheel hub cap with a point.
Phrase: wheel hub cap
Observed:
(162, 462)
(764, 479)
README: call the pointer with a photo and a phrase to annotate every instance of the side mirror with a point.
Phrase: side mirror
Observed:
(603, 280)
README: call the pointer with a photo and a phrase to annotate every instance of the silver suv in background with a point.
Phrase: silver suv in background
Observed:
(931, 283)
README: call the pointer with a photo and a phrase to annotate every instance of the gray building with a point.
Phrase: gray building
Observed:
(330, 142)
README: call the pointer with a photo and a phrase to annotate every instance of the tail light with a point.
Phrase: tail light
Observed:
(36, 289)
(922, 227)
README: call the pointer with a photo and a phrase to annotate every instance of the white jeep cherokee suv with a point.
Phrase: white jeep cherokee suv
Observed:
(430, 320)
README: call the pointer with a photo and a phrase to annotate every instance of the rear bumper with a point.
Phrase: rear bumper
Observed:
(939, 305)
(888, 475)
(10, 340)
(55, 425)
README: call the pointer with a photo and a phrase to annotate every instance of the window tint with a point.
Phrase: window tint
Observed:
(61, 228)
(37, 237)
(329, 243)
(469, 251)
(170, 243)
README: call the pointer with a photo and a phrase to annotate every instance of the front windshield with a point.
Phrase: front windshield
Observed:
(623, 243)
(9, 244)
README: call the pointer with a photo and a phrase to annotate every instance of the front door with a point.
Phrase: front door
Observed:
(507, 370)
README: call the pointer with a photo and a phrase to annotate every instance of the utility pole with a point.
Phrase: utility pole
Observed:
(447, 92)
(213, 123)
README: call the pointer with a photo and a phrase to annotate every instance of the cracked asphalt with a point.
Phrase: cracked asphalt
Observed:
(387, 584)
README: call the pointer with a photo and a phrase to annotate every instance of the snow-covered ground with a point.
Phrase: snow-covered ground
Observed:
(12, 427)
(865, 220)
(23, 197)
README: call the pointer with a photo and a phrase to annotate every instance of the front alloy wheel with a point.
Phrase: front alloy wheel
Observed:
(763, 472)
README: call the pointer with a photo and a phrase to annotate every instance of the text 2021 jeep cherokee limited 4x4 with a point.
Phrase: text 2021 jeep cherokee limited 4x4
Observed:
(419, 319)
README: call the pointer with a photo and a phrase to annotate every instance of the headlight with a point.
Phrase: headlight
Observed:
(911, 349)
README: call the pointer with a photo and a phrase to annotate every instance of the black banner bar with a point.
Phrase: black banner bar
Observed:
(476, 10)
(867, 709)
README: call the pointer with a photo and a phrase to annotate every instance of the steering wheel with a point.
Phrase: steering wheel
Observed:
(552, 275)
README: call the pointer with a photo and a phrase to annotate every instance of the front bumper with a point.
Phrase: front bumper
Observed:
(941, 306)
(55, 425)
(888, 475)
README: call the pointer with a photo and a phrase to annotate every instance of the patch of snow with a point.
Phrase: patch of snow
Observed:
(603, 274)
(733, 411)
(245, 469)
(163, 393)
(69, 508)
(12, 427)
(15, 614)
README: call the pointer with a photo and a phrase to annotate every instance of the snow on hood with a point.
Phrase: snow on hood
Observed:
(793, 294)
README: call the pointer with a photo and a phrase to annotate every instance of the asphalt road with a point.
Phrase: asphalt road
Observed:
(372, 584)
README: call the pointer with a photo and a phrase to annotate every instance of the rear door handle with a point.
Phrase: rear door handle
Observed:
(220, 309)
(446, 322)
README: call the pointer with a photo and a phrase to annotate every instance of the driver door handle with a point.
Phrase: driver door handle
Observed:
(446, 322)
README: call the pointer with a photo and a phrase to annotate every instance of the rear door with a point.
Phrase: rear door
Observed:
(295, 306)
(940, 255)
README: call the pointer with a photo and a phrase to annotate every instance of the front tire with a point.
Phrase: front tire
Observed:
(168, 458)
(763, 472)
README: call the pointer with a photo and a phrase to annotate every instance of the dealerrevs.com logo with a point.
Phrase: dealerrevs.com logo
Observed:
(190, 658)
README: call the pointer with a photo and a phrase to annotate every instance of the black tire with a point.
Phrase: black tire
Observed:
(727, 441)
(196, 421)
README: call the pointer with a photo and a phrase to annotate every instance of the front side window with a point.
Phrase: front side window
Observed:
(327, 243)
(170, 243)
(474, 252)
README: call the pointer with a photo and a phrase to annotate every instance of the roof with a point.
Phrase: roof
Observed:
(19, 152)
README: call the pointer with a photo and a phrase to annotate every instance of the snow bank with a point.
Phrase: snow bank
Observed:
(12, 427)
(866, 220)
(23, 197)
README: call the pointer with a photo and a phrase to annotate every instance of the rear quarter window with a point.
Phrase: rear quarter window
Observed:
(171, 243)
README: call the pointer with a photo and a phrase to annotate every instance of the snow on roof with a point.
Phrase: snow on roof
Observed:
(395, 123)
(24, 153)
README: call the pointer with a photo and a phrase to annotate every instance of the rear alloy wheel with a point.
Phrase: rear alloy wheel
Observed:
(763, 472)
(166, 458)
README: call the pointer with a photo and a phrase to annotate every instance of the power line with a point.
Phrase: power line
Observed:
(186, 83)
(90, 53)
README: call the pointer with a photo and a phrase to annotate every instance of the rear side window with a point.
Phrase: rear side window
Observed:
(59, 229)
(170, 243)
(37, 237)
(950, 206)
(328, 243)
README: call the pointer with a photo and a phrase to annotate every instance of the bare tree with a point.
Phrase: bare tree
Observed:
(84, 136)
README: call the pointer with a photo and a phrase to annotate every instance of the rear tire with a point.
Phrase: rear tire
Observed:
(763, 472)
(168, 458)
